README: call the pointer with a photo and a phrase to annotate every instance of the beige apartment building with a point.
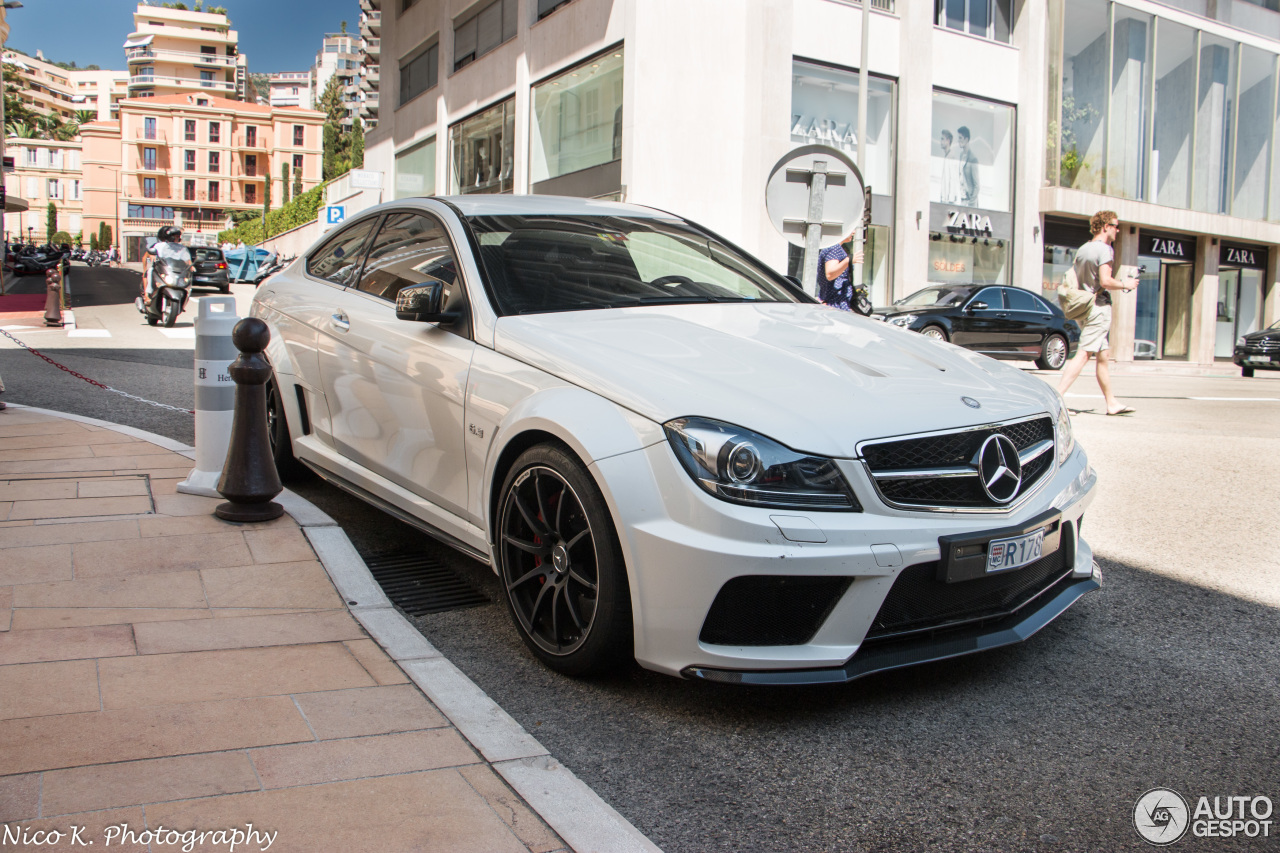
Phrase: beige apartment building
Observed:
(177, 52)
(191, 160)
(44, 171)
(42, 86)
(100, 92)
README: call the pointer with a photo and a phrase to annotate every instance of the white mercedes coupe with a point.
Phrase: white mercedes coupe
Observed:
(667, 451)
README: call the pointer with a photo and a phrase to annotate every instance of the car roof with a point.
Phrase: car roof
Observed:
(544, 205)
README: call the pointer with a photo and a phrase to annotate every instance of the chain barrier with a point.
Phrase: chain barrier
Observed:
(95, 382)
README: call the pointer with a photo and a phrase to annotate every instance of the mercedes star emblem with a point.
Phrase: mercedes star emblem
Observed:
(999, 468)
(971, 403)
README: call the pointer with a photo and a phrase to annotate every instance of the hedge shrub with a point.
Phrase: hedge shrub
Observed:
(300, 211)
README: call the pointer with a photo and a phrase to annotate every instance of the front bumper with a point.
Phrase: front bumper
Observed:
(682, 547)
(1257, 358)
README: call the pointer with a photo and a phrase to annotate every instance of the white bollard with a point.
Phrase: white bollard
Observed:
(215, 393)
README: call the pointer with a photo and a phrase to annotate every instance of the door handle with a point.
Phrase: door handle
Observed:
(340, 322)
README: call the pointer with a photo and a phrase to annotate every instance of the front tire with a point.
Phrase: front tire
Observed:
(562, 571)
(935, 332)
(1053, 354)
(287, 465)
(171, 309)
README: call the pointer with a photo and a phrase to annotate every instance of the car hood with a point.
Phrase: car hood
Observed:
(1264, 335)
(812, 378)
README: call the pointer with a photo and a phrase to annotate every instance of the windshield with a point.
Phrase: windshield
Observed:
(172, 252)
(207, 254)
(937, 297)
(540, 264)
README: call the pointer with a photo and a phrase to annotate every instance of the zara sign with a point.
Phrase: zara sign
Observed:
(1249, 257)
(1168, 247)
(968, 222)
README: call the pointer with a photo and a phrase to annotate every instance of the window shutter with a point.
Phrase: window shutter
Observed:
(464, 42)
(489, 28)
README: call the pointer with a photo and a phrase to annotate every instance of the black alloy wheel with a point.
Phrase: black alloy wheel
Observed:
(561, 565)
(287, 466)
(1053, 354)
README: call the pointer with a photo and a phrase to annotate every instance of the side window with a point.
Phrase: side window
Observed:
(992, 297)
(339, 260)
(411, 248)
(1021, 300)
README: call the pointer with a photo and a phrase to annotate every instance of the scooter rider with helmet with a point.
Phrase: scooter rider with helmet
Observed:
(168, 245)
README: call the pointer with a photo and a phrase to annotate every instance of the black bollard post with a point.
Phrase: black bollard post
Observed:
(249, 480)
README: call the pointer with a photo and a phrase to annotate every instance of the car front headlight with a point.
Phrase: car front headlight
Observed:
(1066, 438)
(1240, 341)
(902, 320)
(744, 467)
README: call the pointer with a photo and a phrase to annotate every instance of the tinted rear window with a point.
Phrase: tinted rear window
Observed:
(207, 254)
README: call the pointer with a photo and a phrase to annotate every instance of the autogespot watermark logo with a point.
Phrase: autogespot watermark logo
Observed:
(1162, 816)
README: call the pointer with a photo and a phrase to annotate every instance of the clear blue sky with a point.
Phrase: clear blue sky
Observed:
(278, 35)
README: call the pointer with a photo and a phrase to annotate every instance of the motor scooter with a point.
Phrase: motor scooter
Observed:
(172, 275)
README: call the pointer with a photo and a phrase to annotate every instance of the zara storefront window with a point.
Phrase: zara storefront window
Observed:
(971, 190)
(824, 111)
(482, 151)
(577, 121)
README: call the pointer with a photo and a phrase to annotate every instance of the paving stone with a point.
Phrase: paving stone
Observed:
(246, 632)
(127, 464)
(226, 674)
(181, 505)
(45, 439)
(101, 737)
(183, 525)
(81, 507)
(130, 448)
(279, 545)
(368, 711)
(150, 781)
(304, 584)
(37, 490)
(383, 669)
(19, 797)
(82, 531)
(526, 825)
(57, 451)
(40, 689)
(172, 590)
(35, 564)
(22, 425)
(29, 618)
(6, 607)
(139, 556)
(112, 487)
(360, 757)
(434, 810)
(52, 644)
(94, 828)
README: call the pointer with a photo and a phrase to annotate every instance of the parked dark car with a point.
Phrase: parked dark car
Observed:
(211, 268)
(1002, 322)
(1258, 350)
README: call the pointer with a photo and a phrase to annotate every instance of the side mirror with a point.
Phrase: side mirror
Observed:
(421, 303)
(977, 306)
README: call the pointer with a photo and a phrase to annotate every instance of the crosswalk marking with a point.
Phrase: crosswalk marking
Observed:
(88, 333)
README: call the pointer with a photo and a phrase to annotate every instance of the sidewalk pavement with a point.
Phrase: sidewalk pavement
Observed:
(160, 667)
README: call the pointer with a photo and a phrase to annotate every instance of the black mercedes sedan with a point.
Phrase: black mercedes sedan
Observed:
(999, 321)
(1258, 350)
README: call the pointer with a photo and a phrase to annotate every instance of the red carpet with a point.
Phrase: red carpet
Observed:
(14, 304)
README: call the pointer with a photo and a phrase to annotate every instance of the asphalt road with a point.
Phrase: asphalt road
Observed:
(1166, 677)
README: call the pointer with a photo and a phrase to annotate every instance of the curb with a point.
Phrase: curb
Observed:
(575, 812)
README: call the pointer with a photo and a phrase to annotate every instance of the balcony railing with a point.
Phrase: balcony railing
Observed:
(159, 137)
(184, 57)
(370, 24)
(372, 47)
(184, 82)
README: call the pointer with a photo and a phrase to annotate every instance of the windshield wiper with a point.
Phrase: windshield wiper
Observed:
(683, 300)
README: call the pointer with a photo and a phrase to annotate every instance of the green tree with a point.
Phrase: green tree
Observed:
(93, 242)
(51, 221)
(357, 144)
(330, 161)
(61, 238)
(266, 197)
(85, 116)
(297, 182)
(284, 184)
(331, 103)
(104, 236)
(15, 111)
(344, 26)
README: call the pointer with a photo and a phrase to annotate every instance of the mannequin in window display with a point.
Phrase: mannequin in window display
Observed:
(968, 164)
(950, 169)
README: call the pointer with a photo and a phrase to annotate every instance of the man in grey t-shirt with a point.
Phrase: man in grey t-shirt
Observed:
(1093, 265)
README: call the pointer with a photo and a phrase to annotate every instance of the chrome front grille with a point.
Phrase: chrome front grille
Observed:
(940, 471)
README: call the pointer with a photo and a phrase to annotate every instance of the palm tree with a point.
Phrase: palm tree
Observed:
(85, 116)
(20, 130)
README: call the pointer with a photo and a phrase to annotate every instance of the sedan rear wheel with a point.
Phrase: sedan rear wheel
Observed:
(1053, 354)
(935, 332)
(561, 565)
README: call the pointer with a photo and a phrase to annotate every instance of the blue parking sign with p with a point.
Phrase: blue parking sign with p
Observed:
(334, 214)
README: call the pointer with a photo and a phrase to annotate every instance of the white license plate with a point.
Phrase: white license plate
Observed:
(1259, 358)
(1015, 552)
